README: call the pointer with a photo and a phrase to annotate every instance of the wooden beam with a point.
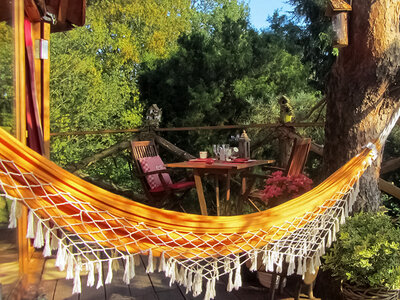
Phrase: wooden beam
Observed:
(389, 188)
(390, 165)
(45, 96)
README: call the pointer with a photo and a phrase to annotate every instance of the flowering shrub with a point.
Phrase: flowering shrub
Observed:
(287, 187)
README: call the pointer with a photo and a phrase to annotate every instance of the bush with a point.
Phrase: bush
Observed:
(366, 253)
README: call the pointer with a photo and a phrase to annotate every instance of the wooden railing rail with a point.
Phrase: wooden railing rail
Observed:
(195, 128)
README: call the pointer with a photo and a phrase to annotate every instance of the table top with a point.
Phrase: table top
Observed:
(219, 164)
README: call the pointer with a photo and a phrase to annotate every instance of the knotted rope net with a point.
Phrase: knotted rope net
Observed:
(87, 226)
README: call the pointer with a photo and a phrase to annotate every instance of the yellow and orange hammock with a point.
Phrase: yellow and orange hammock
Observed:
(89, 227)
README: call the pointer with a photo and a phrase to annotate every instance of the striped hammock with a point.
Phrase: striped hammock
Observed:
(89, 226)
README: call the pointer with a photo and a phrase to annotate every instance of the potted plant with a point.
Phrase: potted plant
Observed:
(366, 257)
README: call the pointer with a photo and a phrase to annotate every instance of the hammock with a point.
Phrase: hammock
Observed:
(88, 225)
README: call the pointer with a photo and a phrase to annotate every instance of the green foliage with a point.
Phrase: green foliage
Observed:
(6, 76)
(366, 252)
(93, 74)
(224, 72)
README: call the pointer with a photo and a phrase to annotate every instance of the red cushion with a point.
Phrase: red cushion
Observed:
(175, 186)
(154, 163)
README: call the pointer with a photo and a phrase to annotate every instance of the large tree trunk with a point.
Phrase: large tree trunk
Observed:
(362, 94)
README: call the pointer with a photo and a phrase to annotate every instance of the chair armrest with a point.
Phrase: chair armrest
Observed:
(272, 168)
(156, 172)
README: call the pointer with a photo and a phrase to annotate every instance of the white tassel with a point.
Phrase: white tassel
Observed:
(150, 264)
(197, 284)
(213, 290)
(100, 275)
(110, 272)
(39, 240)
(77, 289)
(279, 264)
(30, 232)
(70, 266)
(54, 240)
(299, 266)
(172, 271)
(132, 267)
(216, 269)
(342, 217)
(61, 256)
(238, 278)
(227, 265)
(229, 287)
(253, 258)
(13, 215)
(161, 267)
(90, 279)
(207, 295)
(181, 275)
(185, 277)
(126, 278)
(189, 282)
(47, 248)
(291, 266)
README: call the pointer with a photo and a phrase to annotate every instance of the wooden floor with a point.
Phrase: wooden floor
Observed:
(53, 285)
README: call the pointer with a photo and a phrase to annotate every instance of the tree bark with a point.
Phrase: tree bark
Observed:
(362, 93)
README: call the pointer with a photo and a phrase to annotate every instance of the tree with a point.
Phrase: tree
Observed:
(362, 92)
(363, 89)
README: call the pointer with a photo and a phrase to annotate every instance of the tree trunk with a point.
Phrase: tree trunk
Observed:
(362, 93)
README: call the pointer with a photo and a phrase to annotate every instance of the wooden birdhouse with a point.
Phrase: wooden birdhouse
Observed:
(338, 11)
(244, 145)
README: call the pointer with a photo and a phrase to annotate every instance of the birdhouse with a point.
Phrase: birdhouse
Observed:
(338, 11)
(244, 145)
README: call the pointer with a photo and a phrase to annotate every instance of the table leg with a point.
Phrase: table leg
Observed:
(200, 192)
(216, 178)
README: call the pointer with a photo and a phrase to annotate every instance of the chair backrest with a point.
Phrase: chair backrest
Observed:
(298, 157)
(146, 159)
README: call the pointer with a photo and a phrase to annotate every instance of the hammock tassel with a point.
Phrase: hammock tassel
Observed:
(229, 287)
(189, 282)
(172, 272)
(150, 263)
(39, 240)
(13, 215)
(216, 269)
(279, 264)
(238, 278)
(100, 274)
(210, 290)
(132, 267)
(300, 270)
(253, 259)
(227, 265)
(126, 278)
(30, 234)
(109, 273)
(181, 276)
(70, 266)
(47, 247)
(291, 266)
(90, 279)
(162, 266)
(54, 240)
(197, 283)
(61, 256)
(77, 289)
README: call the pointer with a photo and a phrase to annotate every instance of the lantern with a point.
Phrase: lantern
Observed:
(338, 11)
(244, 145)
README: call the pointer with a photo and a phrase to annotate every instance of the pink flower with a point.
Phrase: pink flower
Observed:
(278, 186)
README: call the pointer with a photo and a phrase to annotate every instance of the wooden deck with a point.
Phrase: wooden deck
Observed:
(50, 283)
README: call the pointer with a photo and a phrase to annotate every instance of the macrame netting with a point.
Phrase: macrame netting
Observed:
(88, 226)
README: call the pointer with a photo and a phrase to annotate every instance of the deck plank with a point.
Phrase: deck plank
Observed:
(141, 286)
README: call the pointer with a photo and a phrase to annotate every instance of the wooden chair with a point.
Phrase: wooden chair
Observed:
(295, 166)
(156, 181)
